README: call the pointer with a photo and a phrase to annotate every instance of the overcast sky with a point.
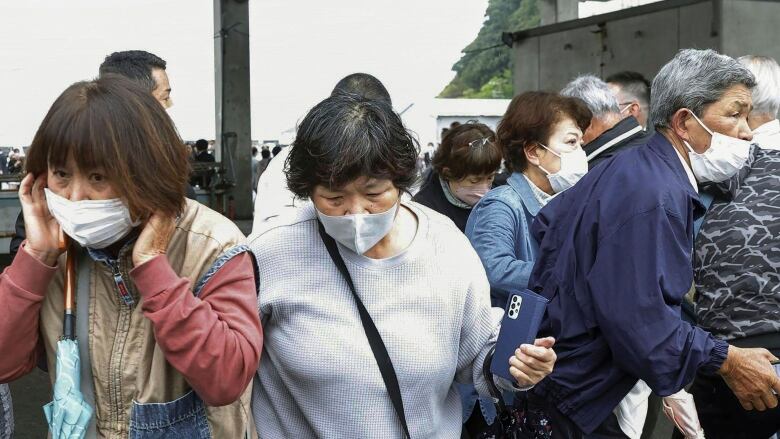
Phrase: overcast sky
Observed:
(299, 50)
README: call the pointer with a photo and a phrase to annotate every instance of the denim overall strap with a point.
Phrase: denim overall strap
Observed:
(183, 418)
(220, 262)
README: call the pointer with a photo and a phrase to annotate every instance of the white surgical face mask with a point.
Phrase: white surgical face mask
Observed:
(92, 223)
(574, 165)
(471, 194)
(359, 232)
(722, 160)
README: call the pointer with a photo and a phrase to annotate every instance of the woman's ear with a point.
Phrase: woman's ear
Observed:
(531, 150)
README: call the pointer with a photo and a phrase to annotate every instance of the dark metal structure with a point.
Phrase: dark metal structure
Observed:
(233, 113)
(642, 39)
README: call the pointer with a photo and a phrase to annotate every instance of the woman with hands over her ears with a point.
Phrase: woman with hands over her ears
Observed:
(166, 288)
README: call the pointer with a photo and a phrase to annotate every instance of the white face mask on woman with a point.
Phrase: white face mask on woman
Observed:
(92, 223)
(471, 194)
(359, 232)
(574, 165)
(722, 160)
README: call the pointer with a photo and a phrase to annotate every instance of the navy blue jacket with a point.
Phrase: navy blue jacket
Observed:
(615, 261)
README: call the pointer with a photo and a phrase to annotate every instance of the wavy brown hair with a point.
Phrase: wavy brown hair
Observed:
(114, 124)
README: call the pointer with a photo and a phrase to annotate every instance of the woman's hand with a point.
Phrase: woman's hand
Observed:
(42, 229)
(154, 239)
(531, 364)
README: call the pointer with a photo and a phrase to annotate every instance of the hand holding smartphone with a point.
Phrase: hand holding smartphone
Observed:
(522, 318)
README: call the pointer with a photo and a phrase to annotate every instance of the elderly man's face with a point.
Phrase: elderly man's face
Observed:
(726, 116)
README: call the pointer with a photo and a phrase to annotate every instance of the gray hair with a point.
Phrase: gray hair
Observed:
(694, 79)
(596, 94)
(766, 94)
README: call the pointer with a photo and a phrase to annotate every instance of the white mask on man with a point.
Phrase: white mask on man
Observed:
(574, 165)
(92, 223)
(722, 160)
(359, 232)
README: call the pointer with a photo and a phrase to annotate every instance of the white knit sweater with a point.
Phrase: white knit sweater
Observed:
(318, 377)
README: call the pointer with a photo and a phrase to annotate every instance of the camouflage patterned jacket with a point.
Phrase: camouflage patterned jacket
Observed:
(737, 263)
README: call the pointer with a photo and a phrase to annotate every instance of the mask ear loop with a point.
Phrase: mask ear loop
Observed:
(700, 124)
(551, 151)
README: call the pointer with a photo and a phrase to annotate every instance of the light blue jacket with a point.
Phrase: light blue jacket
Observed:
(499, 230)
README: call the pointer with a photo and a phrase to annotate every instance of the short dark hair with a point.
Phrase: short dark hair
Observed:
(633, 83)
(346, 137)
(113, 124)
(362, 84)
(530, 118)
(457, 156)
(133, 64)
(254, 151)
(265, 154)
(277, 149)
(201, 144)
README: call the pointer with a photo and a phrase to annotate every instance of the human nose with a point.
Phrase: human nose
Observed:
(356, 208)
(78, 191)
(745, 133)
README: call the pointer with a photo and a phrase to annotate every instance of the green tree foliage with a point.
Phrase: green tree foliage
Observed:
(488, 73)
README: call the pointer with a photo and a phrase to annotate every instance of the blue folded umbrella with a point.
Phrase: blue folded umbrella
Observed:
(68, 414)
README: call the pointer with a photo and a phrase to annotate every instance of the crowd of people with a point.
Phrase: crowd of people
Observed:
(646, 214)
(12, 161)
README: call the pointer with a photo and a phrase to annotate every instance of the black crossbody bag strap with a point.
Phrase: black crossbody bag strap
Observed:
(374, 339)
